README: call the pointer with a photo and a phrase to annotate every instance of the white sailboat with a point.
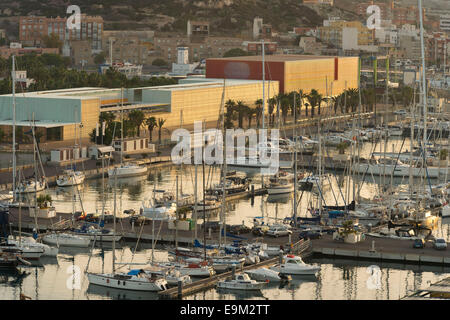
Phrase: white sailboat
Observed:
(125, 170)
(70, 178)
(66, 240)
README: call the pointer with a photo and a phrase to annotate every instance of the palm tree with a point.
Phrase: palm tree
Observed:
(314, 99)
(151, 124)
(272, 103)
(137, 117)
(161, 122)
(284, 105)
(258, 110)
(230, 115)
(249, 112)
(241, 109)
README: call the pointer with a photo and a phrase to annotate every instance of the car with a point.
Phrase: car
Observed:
(91, 217)
(419, 244)
(400, 112)
(109, 218)
(139, 220)
(440, 244)
(239, 229)
(130, 212)
(260, 230)
(310, 234)
(278, 232)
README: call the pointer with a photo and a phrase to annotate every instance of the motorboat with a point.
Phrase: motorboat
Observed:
(29, 253)
(233, 184)
(294, 265)
(96, 234)
(172, 275)
(210, 204)
(30, 186)
(66, 240)
(192, 269)
(127, 170)
(159, 211)
(241, 281)
(137, 280)
(30, 242)
(265, 274)
(70, 178)
(280, 186)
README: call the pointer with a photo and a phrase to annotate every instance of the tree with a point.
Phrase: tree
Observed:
(161, 122)
(314, 99)
(151, 124)
(284, 105)
(230, 115)
(159, 62)
(52, 41)
(249, 112)
(236, 52)
(137, 117)
(241, 111)
(272, 103)
(99, 58)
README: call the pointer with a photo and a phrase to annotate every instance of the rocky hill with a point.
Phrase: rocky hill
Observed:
(225, 16)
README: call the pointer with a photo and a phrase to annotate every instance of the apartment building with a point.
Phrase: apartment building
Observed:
(332, 32)
(33, 29)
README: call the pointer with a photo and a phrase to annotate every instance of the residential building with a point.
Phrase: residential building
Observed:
(332, 30)
(6, 52)
(33, 29)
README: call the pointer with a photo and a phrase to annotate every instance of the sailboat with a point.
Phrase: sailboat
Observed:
(125, 170)
(70, 178)
(137, 280)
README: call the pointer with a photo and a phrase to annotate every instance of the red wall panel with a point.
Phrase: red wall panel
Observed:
(251, 70)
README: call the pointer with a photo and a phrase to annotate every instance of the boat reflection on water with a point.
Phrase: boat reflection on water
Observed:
(279, 198)
(98, 292)
(12, 277)
(239, 294)
(128, 181)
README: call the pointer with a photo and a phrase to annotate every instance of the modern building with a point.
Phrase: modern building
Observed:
(69, 114)
(293, 72)
(445, 23)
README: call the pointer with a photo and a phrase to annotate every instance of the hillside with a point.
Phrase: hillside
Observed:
(225, 16)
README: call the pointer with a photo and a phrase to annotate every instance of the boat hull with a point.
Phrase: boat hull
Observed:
(66, 242)
(123, 172)
(107, 280)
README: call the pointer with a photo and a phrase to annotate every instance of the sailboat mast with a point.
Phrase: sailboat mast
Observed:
(114, 225)
(204, 201)
(423, 88)
(264, 84)
(13, 75)
(295, 160)
(224, 172)
(121, 127)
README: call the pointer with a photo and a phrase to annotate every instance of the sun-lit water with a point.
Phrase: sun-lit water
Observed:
(338, 279)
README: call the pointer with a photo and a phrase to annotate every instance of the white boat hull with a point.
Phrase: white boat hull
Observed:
(99, 237)
(263, 274)
(240, 286)
(71, 180)
(64, 241)
(280, 190)
(127, 171)
(108, 280)
(399, 170)
(31, 186)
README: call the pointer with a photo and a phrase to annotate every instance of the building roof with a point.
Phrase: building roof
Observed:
(277, 58)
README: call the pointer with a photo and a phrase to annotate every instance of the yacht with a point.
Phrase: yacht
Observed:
(66, 240)
(264, 274)
(137, 280)
(96, 234)
(28, 253)
(159, 211)
(70, 178)
(294, 265)
(193, 269)
(280, 186)
(127, 170)
(241, 281)
(30, 242)
(30, 186)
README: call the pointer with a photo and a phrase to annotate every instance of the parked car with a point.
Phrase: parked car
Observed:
(419, 244)
(139, 220)
(260, 230)
(131, 212)
(310, 234)
(91, 217)
(239, 229)
(440, 244)
(278, 232)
